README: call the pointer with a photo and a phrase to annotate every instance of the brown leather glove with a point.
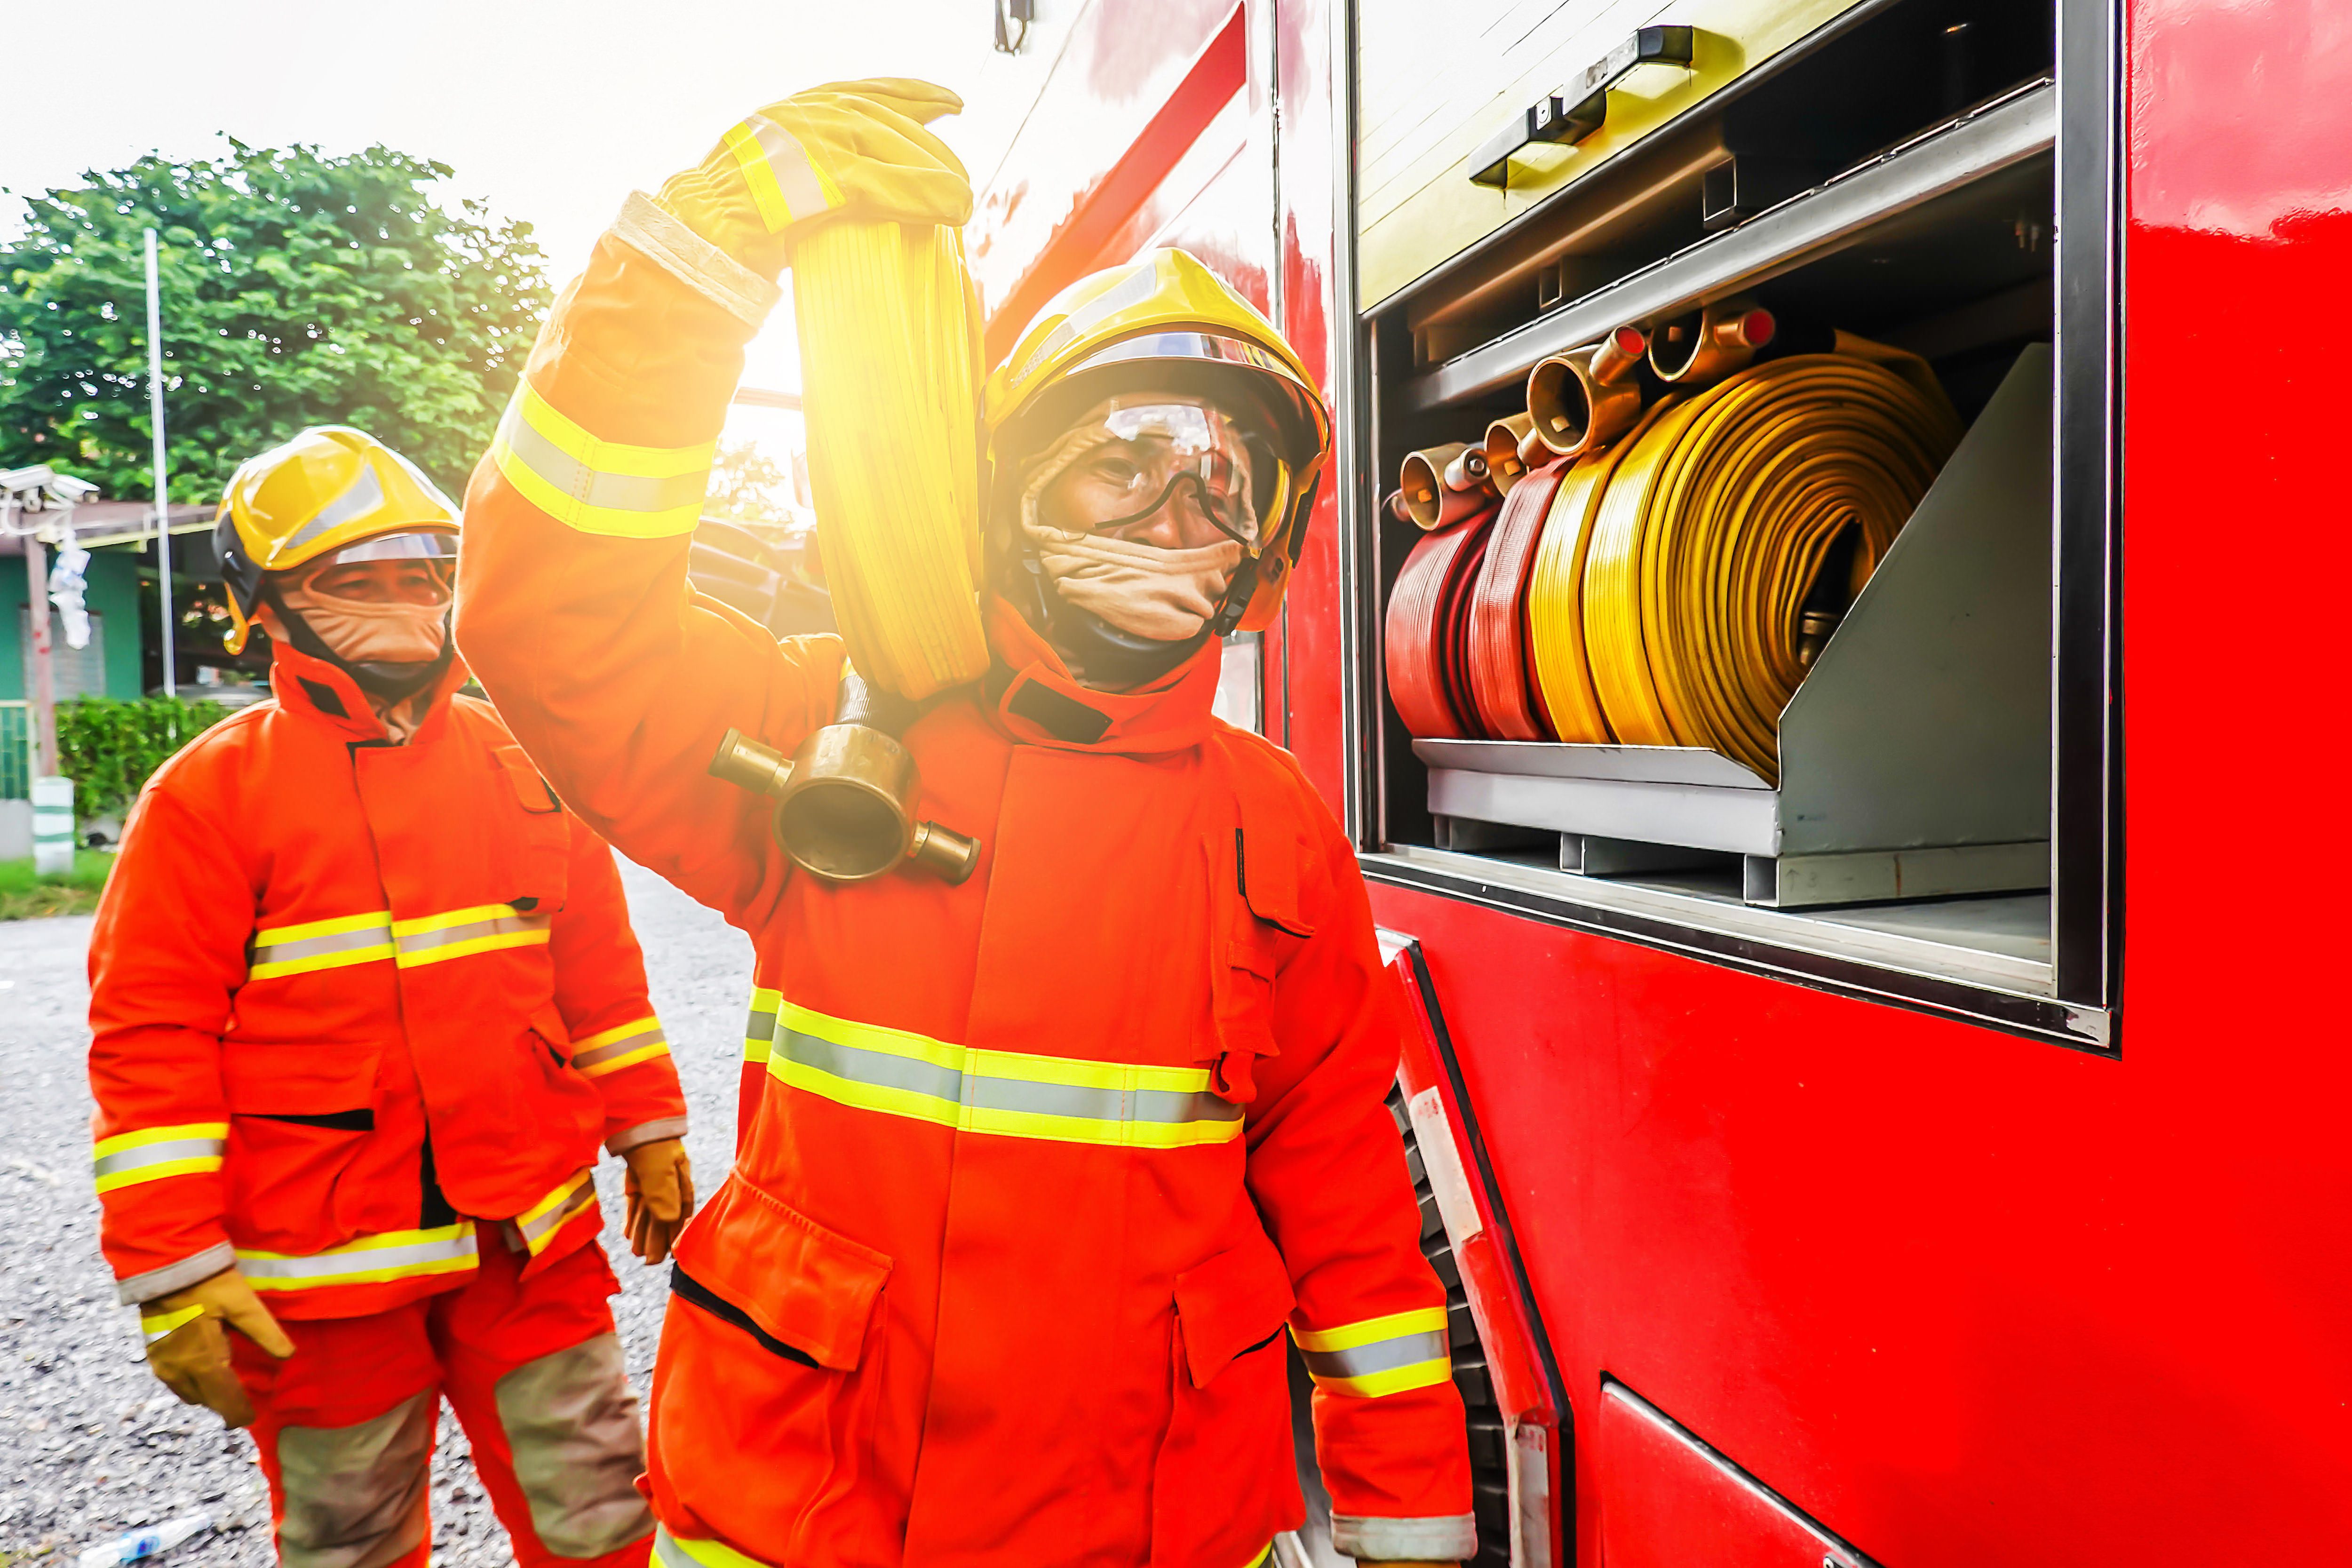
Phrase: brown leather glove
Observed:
(187, 1346)
(658, 1196)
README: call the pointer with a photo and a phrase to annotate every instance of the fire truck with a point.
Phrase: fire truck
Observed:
(1823, 1170)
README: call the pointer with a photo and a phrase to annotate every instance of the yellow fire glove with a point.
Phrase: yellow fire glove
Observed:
(658, 1197)
(188, 1349)
(853, 148)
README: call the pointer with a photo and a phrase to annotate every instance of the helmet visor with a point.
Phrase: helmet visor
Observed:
(1173, 466)
(423, 545)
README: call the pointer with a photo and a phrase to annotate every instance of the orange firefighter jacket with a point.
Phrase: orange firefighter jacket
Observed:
(351, 1002)
(1041, 1166)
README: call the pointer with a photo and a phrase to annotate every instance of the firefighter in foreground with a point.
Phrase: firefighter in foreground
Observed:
(365, 1001)
(1046, 1162)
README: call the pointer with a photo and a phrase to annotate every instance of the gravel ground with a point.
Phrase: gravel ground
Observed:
(90, 1446)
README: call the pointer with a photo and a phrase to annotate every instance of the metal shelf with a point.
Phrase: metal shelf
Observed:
(2001, 135)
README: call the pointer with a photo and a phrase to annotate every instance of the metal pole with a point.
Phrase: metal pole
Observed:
(163, 495)
(44, 692)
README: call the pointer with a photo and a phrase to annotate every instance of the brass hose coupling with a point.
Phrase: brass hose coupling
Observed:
(846, 799)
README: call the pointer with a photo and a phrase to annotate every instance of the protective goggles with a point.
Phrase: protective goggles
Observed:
(1170, 453)
(424, 544)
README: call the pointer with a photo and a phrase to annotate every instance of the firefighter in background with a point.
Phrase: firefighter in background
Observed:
(1045, 1162)
(365, 1001)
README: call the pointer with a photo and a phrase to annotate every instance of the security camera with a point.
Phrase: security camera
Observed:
(26, 482)
(70, 491)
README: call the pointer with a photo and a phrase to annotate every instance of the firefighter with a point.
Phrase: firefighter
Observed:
(364, 1001)
(1041, 1164)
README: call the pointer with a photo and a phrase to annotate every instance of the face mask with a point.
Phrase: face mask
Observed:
(371, 633)
(1164, 594)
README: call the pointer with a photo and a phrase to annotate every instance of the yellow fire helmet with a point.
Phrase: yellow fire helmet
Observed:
(1164, 323)
(330, 493)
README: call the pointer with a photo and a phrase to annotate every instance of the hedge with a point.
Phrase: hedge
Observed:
(111, 744)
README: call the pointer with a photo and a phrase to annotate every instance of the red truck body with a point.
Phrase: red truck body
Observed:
(1819, 1272)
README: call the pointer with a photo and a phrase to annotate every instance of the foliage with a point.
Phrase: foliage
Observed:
(111, 744)
(746, 486)
(296, 290)
(24, 896)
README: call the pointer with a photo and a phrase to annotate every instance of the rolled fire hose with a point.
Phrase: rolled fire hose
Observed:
(890, 357)
(1420, 655)
(1501, 691)
(1712, 531)
(1556, 593)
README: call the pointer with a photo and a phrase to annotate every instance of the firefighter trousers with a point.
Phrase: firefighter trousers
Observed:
(534, 1372)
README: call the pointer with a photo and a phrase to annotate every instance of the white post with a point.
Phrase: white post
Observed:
(163, 495)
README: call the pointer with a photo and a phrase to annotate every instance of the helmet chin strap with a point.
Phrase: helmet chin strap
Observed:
(378, 678)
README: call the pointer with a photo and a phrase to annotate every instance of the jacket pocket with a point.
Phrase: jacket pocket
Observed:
(774, 1348)
(1243, 987)
(538, 852)
(299, 1116)
(1226, 1481)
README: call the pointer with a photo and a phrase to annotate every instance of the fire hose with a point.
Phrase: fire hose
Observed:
(890, 353)
(1669, 580)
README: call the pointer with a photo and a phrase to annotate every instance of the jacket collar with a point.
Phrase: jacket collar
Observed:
(320, 692)
(1029, 694)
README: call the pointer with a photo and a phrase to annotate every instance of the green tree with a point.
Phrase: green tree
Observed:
(298, 289)
(746, 486)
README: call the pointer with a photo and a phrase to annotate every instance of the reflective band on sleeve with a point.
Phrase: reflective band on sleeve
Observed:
(672, 1552)
(621, 1048)
(599, 486)
(485, 928)
(786, 184)
(130, 1158)
(539, 1222)
(395, 1255)
(1018, 1096)
(759, 1028)
(1379, 1355)
(162, 1323)
(319, 944)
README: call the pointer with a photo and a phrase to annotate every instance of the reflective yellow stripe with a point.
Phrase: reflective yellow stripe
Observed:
(459, 934)
(599, 486)
(786, 183)
(162, 1323)
(319, 944)
(1379, 1355)
(540, 1222)
(128, 1159)
(759, 1028)
(1008, 1093)
(672, 1552)
(621, 1048)
(395, 1255)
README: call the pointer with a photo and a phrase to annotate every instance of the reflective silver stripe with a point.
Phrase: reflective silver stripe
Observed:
(363, 494)
(392, 1256)
(412, 945)
(537, 1228)
(1381, 1355)
(789, 162)
(596, 1055)
(266, 955)
(593, 487)
(956, 1086)
(148, 1154)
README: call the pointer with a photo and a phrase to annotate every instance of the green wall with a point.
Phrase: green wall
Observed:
(113, 593)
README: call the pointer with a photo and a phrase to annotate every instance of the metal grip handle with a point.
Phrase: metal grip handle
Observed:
(761, 769)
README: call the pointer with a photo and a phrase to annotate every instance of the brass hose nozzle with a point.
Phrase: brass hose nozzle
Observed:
(1579, 401)
(1468, 470)
(1429, 499)
(1505, 437)
(844, 804)
(1710, 342)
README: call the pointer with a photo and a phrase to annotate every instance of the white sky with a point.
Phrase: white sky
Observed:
(551, 110)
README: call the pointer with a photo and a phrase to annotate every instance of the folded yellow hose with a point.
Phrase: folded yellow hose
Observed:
(890, 365)
(1709, 534)
(1556, 592)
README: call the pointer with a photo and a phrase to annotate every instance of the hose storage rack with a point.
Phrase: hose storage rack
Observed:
(1902, 809)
